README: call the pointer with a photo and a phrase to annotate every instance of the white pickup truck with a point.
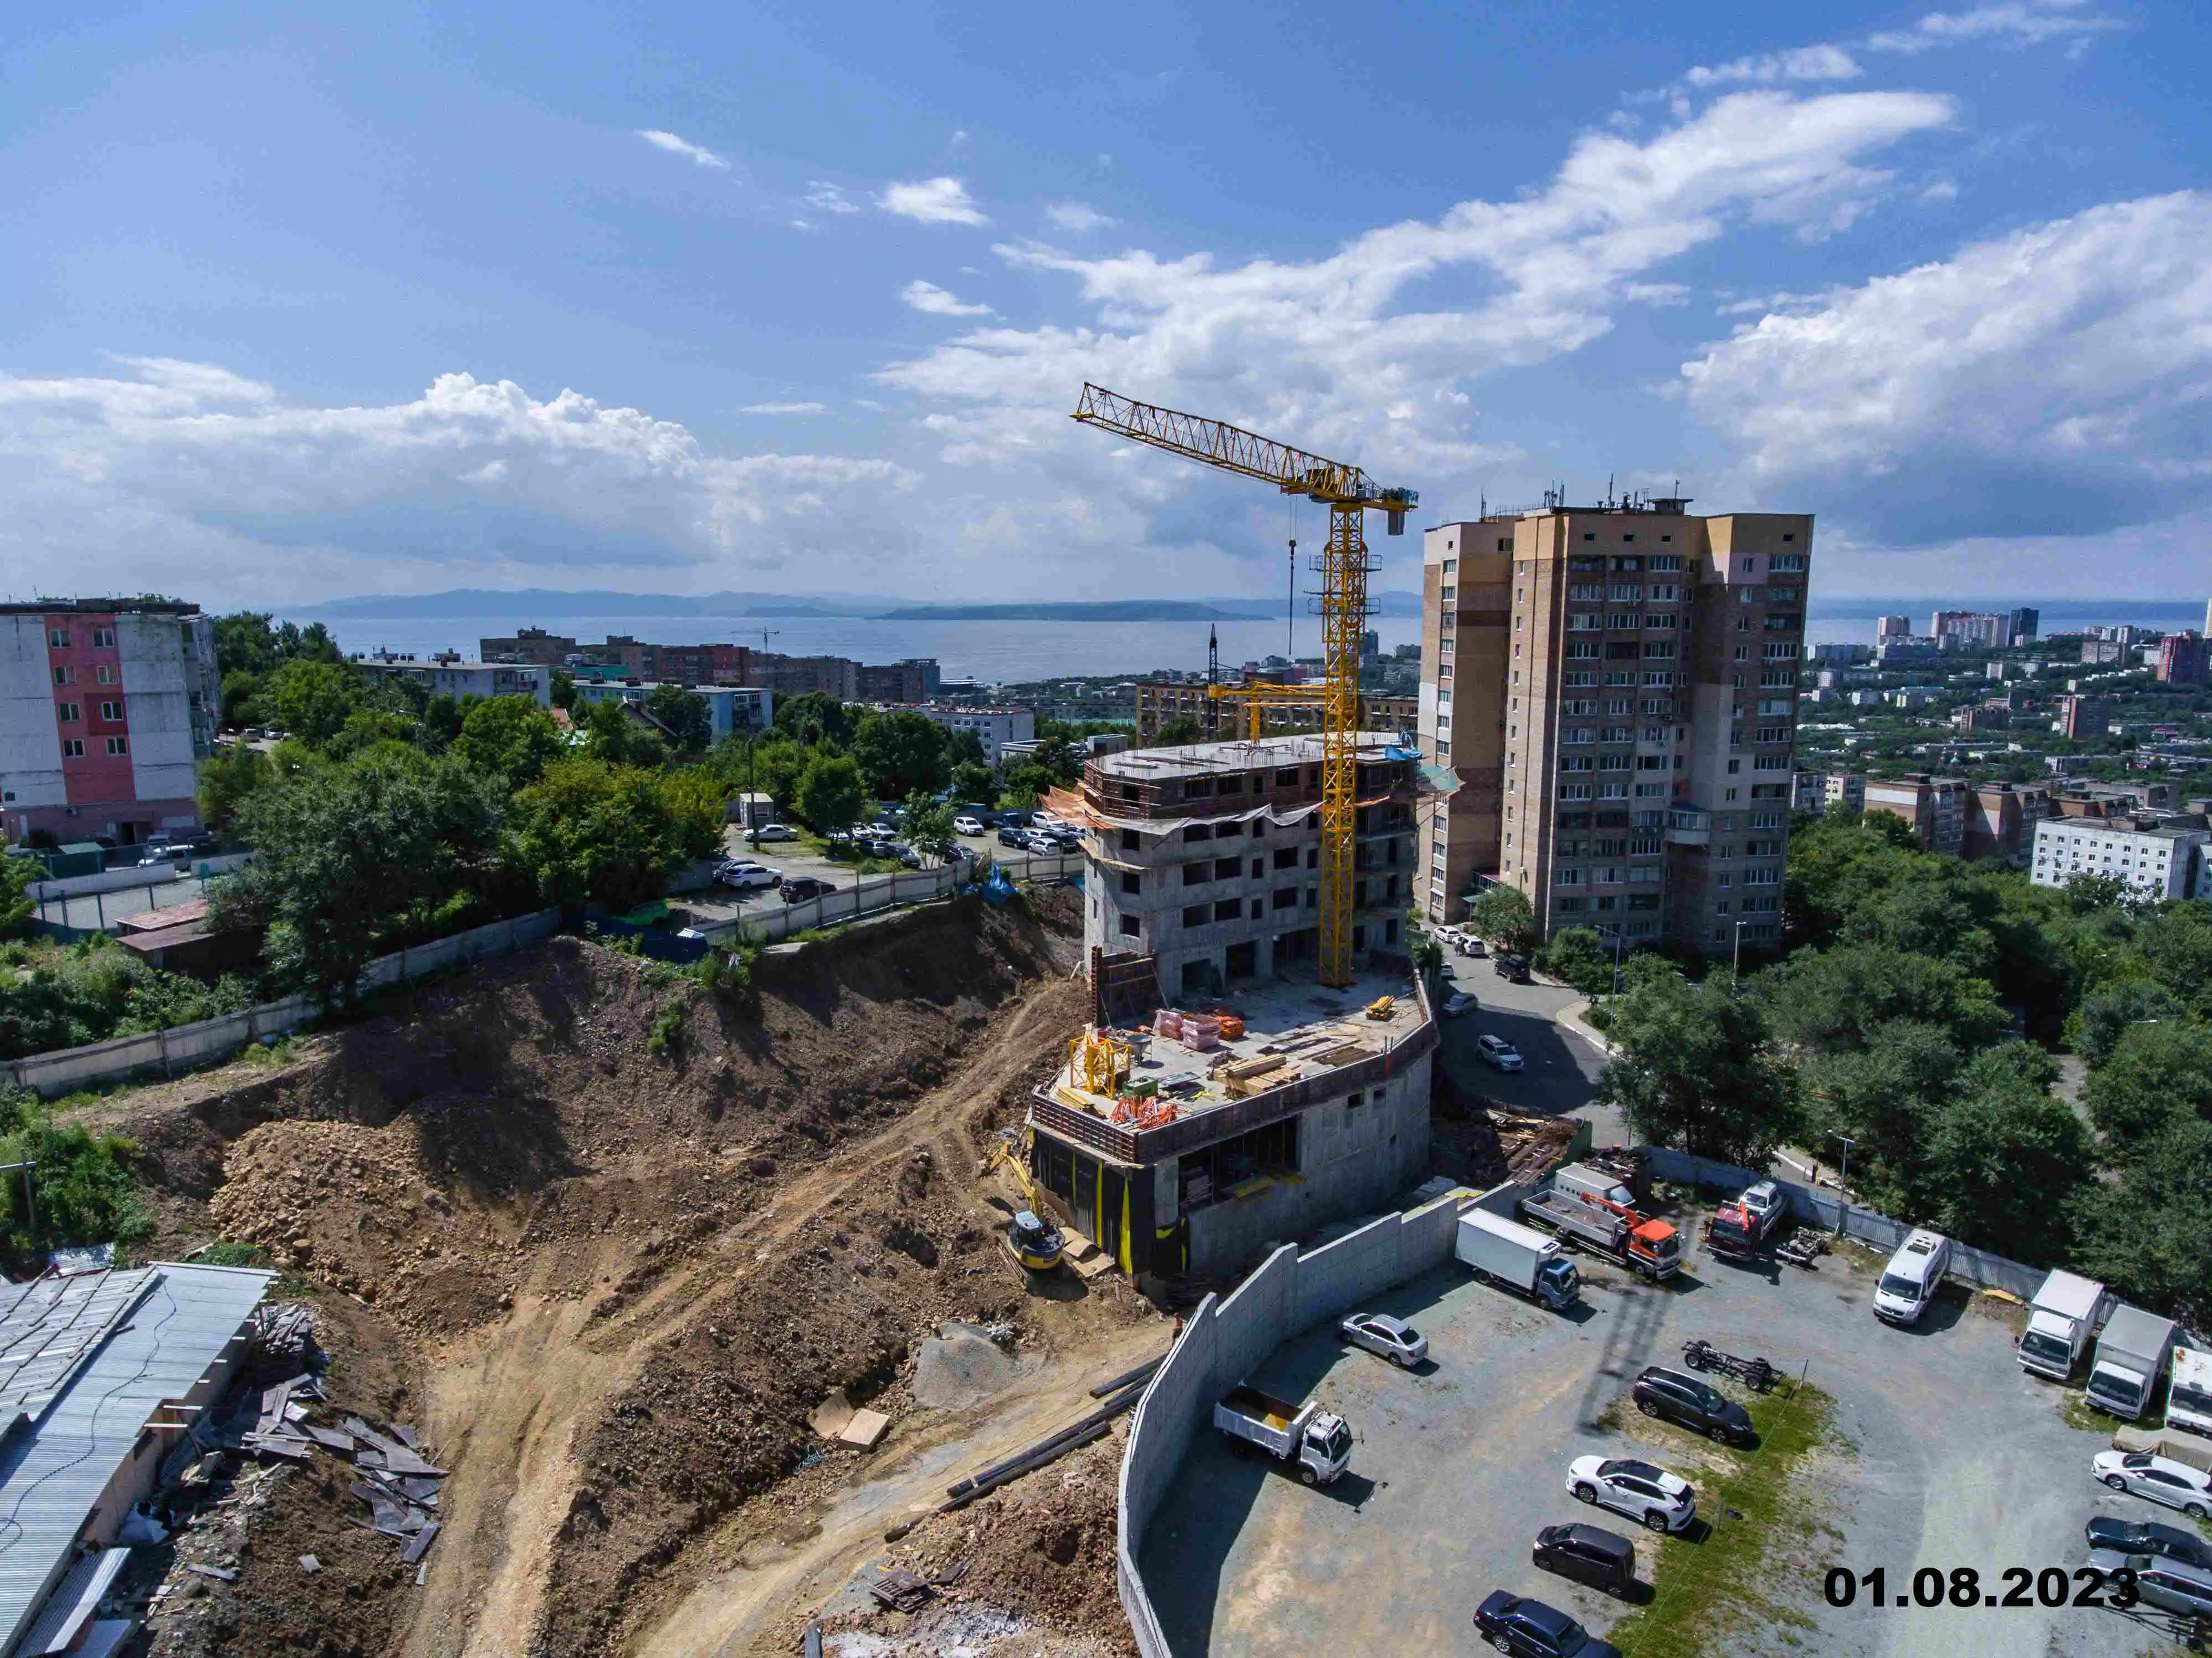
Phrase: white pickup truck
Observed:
(1318, 1441)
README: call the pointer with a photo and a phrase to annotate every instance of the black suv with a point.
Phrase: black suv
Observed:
(800, 888)
(1686, 1400)
(1512, 1623)
(1512, 968)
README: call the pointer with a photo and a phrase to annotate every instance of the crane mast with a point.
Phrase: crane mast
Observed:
(1343, 566)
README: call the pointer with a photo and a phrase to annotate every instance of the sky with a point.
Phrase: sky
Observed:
(304, 301)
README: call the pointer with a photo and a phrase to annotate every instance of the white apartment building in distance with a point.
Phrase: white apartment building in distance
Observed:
(106, 708)
(995, 728)
(2161, 862)
(450, 677)
(730, 709)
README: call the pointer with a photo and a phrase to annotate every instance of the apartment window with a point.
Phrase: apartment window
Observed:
(64, 676)
(1131, 883)
(118, 746)
(72, 747)
(1504, 543)
(111, 712)
(1666, 561)
(1626, 592)
(1228, 909)
(1194, 915)
(58, 639)
(69, 713)
(1588, 536)
(105, 673)
(1451, 565)
(1131, 840)
(1621, 621)
(1224, 869)
(1658, 650)
(1128, 926)
(1734, 766)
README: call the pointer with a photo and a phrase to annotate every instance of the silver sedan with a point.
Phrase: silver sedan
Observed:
(1392, 1337)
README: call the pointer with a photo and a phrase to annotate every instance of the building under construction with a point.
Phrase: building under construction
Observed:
(1249, 1102)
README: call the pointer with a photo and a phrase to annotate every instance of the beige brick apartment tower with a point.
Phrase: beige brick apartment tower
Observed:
(1615, 689)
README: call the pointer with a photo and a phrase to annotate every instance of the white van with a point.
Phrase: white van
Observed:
(1909, 1281)
(2189, 1400)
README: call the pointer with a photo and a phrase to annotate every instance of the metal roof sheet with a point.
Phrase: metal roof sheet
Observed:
(54, 1464)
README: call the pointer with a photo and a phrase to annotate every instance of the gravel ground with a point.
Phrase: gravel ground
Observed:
(1944, 1454)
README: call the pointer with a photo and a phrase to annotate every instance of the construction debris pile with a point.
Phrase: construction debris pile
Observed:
(1481, 1142)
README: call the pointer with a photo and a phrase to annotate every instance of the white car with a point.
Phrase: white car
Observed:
(1042, 844)
(774, 832)
(2174, 1484)
(1449, 936)
(1457, 1003)
(1392, 1338)
(1497, 1054)
(748, 877)
(1663, 1501)
(966, 825)
(1470, 945)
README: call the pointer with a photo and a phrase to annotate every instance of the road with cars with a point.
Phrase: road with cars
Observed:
(1558, 1068)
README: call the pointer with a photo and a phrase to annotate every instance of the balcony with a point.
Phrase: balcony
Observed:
(1689, 826)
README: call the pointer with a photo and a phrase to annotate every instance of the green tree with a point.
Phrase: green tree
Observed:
(1502, 917)
(1693, 1069)
(900, 753)
(1882, 1097)
(964, 748)
(616, 736)
(228, 778)
(778, 763)
(815, 716)
(1578, 956)
(1829, 999)
(351, 855)
(2149, 1231)
(312, 700)
(1177, 730)
(972, 779)
(588, 831)
(16, 874)
(510, 737)
(829, 796)
(2156, 1076)
(2106, 1014)
(695, 808)
(563, 691)
(927, 823)
(2175, 943)
(2002, 1161)
(683, 715)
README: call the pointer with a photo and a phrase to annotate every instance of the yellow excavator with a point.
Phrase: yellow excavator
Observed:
(1032, 1240)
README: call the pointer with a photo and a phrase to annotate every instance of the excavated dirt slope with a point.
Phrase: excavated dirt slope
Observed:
(610, 1284)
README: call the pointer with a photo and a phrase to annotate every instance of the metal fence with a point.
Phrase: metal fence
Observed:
(206, 1042)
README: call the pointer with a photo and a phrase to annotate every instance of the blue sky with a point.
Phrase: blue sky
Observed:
(309, 300)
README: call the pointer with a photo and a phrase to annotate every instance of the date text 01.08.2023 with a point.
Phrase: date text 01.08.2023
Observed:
(2054, 1586)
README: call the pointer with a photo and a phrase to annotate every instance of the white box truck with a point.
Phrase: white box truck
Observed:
(1520, 1257)
(2189, 1400)
(2062, 1318)
(1317, 1442)
(2131, 1353)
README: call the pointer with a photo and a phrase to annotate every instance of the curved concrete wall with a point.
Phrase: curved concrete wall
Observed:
(1224, 1340)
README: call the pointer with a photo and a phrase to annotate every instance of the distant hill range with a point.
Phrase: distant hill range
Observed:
(532, 605)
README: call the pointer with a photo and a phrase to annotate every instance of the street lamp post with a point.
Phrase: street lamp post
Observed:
(1735, 962)
(1843, 1185)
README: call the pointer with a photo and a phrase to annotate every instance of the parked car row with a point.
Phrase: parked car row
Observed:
(1460, 941)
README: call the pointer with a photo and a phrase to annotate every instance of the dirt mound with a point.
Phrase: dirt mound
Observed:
(611, 1283)
(1040, 1550)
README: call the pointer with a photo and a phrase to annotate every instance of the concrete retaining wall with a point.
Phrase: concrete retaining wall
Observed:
(185, 1047)
(1227, 1339)
(121, 880)
(1832, 1214)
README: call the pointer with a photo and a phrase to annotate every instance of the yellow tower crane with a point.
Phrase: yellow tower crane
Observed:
(1350, 494)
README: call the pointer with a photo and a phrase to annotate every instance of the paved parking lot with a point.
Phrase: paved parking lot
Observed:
(1943, 1453)
(793, 858)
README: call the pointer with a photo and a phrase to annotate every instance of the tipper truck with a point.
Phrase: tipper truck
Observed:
(1317, 1442)
(1589, 1208)
(2061, 1320)
(2131, 1353)
(1519, 1257)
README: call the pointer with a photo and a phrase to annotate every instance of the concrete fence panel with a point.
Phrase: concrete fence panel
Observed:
(1225, 1339)
(184, 1047)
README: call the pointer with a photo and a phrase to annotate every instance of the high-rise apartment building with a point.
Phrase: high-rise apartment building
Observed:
(2182, 658)
(2022, 625)
(106, 706)
(1615, 689)
(1892, 627)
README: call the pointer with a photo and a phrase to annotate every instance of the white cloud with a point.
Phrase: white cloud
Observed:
(828, 197)
(188, 467)
(1801, 64)
(2042, 382)
(785, 409)
(1314, 348)
(2009, 22)
(697, 154)
(932, 201)
(1075, 217)
(940, 302)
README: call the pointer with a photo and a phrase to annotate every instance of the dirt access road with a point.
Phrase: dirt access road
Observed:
(608, 1277)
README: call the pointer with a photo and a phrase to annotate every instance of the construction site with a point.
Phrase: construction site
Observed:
(594, 1307)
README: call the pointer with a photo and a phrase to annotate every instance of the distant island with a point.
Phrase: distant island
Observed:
(509, 606)
(1117, 610)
